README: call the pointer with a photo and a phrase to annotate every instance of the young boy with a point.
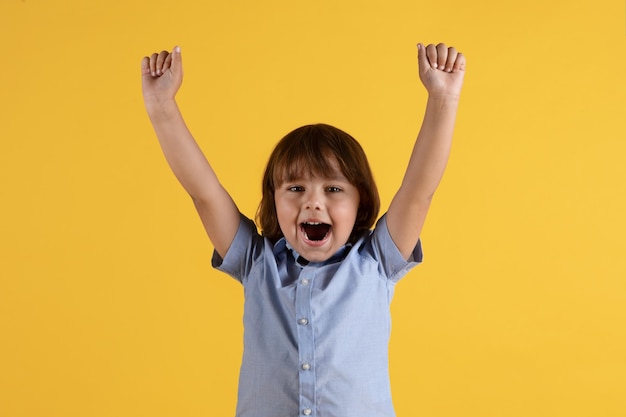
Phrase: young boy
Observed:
(318, 282)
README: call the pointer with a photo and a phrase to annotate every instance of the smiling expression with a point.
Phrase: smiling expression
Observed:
(316, 215)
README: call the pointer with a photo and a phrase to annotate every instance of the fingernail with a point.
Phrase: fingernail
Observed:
(177, 49)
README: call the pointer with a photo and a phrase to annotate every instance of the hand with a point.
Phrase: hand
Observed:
(441, 69)
(162, 75)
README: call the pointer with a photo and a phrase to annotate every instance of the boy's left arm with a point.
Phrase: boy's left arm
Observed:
(441, 70)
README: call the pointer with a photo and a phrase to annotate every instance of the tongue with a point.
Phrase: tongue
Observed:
(316, 231)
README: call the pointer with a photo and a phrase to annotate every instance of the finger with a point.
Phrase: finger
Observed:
(452, 53)
(459, 63)
(442, 56)
(152, 64)
(145, 65)
(167, 63)
(160, 61)
(431, 54)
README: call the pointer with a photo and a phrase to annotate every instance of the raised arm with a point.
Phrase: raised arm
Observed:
(441, 70)
(162, 76)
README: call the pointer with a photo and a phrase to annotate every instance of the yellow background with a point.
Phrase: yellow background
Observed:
(108, 304)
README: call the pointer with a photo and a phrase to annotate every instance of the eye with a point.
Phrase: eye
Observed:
(333, 189)
(295, 188)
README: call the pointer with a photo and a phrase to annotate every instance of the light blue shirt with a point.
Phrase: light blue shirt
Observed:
(316, 335)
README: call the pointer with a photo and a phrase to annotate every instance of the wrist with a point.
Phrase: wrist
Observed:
(444, 98)
(443, 102)
(156, 105)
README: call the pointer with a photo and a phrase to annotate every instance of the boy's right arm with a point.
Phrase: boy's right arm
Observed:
(162, 76)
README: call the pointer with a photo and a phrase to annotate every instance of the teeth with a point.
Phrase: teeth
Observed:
(313, 223)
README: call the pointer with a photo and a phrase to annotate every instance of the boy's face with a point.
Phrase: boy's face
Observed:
(316, 215)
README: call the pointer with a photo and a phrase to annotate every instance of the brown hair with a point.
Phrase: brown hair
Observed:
(315, 150)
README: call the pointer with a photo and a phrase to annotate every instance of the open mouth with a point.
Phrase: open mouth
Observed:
(315, 231)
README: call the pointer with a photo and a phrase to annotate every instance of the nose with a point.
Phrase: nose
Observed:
(314, 200)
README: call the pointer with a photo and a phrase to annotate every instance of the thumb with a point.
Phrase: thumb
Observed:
(422, 60)
(177, 61)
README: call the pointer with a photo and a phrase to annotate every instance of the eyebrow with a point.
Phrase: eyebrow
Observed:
(336, 176)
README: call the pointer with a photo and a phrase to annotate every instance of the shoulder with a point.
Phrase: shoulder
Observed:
(247, 247)
(380, 247)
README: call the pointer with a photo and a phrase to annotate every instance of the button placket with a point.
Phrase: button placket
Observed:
(306, 341)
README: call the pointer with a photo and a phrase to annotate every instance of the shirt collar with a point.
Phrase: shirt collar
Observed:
(282, 245)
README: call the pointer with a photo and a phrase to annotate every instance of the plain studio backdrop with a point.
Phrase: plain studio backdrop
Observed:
(108, 304)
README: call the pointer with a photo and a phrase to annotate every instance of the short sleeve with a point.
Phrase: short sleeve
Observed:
(242, 253)
(391, 262)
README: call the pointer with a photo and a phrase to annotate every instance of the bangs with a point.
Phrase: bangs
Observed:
(317, 152)
(300, 166)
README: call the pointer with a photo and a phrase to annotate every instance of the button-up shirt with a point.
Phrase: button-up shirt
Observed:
(315, 333)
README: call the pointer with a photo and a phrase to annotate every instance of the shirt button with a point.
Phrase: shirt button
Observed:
(303, 321)
(305, 281)
(306, 366)
(307, 411)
